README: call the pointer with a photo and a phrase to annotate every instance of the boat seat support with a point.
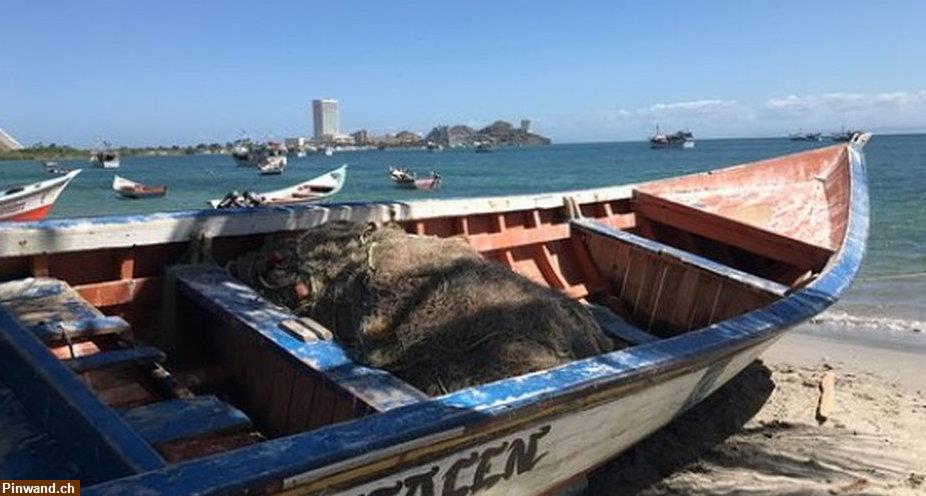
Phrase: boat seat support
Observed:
(116, 359)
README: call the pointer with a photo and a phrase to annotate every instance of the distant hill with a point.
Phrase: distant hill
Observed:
(499, 133)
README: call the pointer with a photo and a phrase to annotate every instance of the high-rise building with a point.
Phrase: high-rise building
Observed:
(325, 117)
(8, 143)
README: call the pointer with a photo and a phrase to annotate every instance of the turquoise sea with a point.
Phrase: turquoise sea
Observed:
(888, 300)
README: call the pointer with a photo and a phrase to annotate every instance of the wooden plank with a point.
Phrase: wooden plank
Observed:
(594, 280)
(187, 449)
(39, 266)
(688, 284)
(105, 294)
(323, 403)
(281, 394)
(732, 232)
(77, 330)
(124, 358)
(543, 259)
(344, 409)
(618, 327)
(512, 238)
(300, 406)
(126, 263)
(185, 418)
(126, 394)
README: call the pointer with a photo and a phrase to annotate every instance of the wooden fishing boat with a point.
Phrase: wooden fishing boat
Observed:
(406, 178)
(431, 181)
(33, 201)
(272, 165)
(106, 157)
(313, 190)
(215, 390)
(136, 191)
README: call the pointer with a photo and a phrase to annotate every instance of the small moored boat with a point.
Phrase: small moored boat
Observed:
(271, 159)
(482, 146)
(402, 177)
(272, 166)
(407, 178)
(243, 153)
(33, 201)
(315, 189)
(167, 377)
(136, 191)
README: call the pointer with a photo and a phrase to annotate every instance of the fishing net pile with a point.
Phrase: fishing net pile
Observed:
(430, 310)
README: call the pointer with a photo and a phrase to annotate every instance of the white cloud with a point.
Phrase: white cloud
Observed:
(848, 102)
(776, 116)
(696, 106)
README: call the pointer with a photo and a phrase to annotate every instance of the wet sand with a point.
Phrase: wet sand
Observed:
(760, 434)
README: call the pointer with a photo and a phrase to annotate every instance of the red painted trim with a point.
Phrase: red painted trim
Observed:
(34, 214)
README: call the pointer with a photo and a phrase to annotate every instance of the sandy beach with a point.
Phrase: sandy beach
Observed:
(762, 434)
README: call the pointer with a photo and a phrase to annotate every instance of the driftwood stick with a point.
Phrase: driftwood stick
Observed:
(827, 401)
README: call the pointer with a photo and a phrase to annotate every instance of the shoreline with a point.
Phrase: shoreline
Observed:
(803, 347)
(761, 433)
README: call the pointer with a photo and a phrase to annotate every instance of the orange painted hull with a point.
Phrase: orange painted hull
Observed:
(34, 214)
(34, 201)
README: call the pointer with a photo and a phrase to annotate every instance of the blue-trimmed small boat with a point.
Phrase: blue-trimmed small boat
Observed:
(131, 360)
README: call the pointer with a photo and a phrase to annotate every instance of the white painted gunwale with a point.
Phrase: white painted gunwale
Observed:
(79, 234)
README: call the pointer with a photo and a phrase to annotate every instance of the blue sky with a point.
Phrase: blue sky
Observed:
(184, 72)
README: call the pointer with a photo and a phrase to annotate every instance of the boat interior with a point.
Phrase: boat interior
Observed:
(190, 362)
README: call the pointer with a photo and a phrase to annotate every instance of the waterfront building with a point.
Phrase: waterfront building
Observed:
(525, 125)
(295, 143)
(8, 143)
(325, 118)
(361, 137)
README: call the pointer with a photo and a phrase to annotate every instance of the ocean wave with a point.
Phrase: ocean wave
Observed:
(870, 321)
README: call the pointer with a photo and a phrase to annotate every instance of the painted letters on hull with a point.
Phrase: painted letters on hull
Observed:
(537, 458)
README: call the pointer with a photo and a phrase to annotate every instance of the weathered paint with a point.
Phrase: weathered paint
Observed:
(406, 443)
(184, 418)
(688, 366)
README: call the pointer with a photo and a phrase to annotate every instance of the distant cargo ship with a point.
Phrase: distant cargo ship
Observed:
(680, 139)
(806, 137)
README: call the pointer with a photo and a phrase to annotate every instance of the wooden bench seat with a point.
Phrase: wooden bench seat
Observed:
(309, 383)
(197, 417)
(663, 290)
(57, 332)
(682, 256)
